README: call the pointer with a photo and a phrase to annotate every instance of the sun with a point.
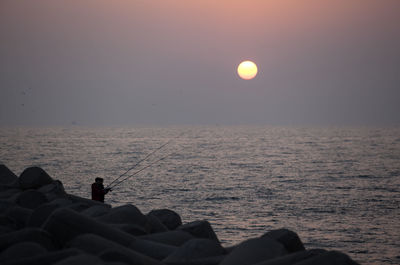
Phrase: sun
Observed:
(247, 70)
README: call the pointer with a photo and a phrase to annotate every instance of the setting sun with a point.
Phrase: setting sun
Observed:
(247, 70)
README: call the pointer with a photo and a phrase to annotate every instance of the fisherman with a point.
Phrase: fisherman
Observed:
(98, 190)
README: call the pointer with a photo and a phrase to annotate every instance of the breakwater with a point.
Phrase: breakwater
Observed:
(42, 224)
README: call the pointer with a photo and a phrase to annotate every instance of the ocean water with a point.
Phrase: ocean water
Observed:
(338, 188)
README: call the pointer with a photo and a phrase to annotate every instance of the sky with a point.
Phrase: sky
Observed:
(173, 62)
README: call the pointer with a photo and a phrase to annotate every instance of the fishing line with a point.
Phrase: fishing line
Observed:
(137, 172)
(154, 151)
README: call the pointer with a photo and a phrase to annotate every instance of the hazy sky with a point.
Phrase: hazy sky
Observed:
(156, 62)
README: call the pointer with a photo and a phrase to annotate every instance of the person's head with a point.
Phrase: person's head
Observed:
(99, 180)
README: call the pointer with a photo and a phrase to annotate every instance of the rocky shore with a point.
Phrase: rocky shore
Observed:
(42, 224)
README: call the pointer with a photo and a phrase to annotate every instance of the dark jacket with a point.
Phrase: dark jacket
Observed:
(98, 192)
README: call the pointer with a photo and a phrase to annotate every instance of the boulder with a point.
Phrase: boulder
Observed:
(125, 214)
(9, 193)
(53, 190)
(47, 258)
(34, 178)
(119, 255)
(293, 258)
(22, 250)
(40, 215)
(132, 229)
(174, 238)
(7, 221)
(19, 214)
(81, 259)
(96, 245)
(96, 210)
(195, 251)
(88, 202)
(7, 177)
(254, 251)
(155, 224)
(329, 258)
(31, 199)
(167, 217)
(35, 235)
(199, 229)
(65, 224)
(288, 238)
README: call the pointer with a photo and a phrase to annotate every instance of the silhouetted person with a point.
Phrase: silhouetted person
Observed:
(98, 190)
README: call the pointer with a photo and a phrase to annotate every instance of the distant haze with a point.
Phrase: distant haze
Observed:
(161, 62)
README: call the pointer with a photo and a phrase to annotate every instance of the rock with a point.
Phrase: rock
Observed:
(5, 230)
(174, 238)
(329, 258)
(40, 215)
(199, 229)
(126, 214)
(118, 255)
(96, 211)
(9, 193)
(31, 199)
(65, 224)
(155, 224)
(22, 250)
(33, 178)
(53, 190)
(45, 259)
(7, 221)
(194, 251)
(89, 203)
(35, 235)
(288, 238)
(81, 259)
(255, 251)
(61, 202)
(7, 177)
(97, 245)
(19, 214)
(293, 258)
(167, 217)
(132, 229)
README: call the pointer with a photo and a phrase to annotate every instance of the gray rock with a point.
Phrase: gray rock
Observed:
(199, 229)
(22, 250)
(293, 258)
(31, 199)
(155, 224)
(19, 214)
(174, 238)
(254, 251)
(65, 224)
(96, 211)
(288, 238)
(53, 190)
(9, 193)
(7, 221)
(132, 229)
(125, 214)
(329, 258)
(33, 178)
(35, 235)
(7, 177)
(40, 215)
(45, 259)
(194, 251)
(81, 259)
(96, 245)
(167, 217)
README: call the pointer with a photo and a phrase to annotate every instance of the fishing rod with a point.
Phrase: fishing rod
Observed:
(109, 185)
(137, 172)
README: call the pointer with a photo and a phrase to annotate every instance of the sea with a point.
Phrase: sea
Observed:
(338, 188)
